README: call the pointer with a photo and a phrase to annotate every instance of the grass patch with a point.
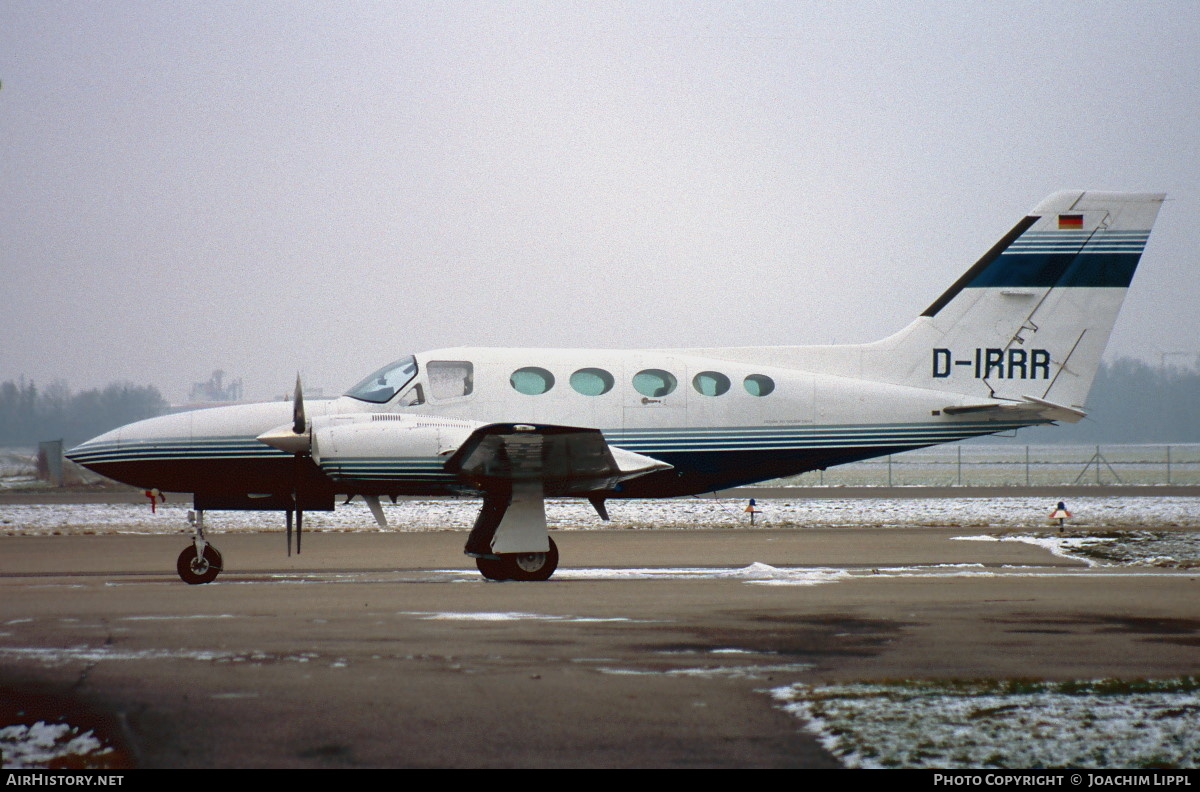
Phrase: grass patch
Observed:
(1005, 723)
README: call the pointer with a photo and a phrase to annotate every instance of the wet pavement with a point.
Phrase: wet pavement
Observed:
(648, 649)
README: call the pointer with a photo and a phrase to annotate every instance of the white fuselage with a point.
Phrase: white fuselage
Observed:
(716, 422)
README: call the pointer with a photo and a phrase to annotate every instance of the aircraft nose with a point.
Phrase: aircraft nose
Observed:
(80, 453)
(130, 441)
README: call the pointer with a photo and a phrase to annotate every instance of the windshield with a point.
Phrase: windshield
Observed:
(383, 384)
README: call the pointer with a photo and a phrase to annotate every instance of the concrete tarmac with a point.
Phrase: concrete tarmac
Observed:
(389, 650)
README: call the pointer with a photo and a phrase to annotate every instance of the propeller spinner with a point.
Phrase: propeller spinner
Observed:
(294, 439)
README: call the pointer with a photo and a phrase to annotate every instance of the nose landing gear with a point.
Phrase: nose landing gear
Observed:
(200, 562)
(195, 568)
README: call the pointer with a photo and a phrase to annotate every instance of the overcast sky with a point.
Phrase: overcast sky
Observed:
(268, 188)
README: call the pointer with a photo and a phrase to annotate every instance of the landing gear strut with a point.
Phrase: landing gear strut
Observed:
(512, 520)
(200, 562)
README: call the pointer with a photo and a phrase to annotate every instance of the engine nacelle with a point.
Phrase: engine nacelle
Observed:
(383, 446)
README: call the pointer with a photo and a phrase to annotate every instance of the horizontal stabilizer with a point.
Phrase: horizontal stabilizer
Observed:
(1029, 406)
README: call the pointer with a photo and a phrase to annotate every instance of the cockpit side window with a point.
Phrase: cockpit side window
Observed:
(450, 378)
(382, 385)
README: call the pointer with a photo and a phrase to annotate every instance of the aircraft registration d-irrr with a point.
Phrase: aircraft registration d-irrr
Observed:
(1014, 342)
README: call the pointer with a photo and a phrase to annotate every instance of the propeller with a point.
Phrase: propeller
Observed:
(296, 440)
(300, 430)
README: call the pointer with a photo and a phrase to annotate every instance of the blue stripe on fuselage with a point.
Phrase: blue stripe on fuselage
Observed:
(703, 458)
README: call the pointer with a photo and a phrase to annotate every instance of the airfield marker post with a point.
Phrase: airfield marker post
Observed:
(1060, 513)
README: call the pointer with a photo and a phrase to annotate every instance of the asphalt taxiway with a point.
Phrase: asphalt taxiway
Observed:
(647, 649)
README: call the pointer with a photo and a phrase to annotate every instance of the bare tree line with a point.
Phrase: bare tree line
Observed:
(30, 414)
(1132, 402)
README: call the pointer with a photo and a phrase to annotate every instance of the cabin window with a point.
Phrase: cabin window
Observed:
(654, 382)
(449, 379)
(592, 381)
(710, 383)
(759, 384)
(531, 380)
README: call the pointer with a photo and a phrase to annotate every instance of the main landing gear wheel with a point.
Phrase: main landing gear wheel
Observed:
(533, 566)
(492, 568)
(194, 570)
(520, 566)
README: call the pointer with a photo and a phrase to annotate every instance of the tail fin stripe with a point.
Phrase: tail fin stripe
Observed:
(1044, 270)
(1101, 242)
(981, 265)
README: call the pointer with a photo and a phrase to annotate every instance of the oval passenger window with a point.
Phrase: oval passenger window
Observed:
(710, 383)
(655, 383)
(592, 381)
(759, 384)
(531, 380)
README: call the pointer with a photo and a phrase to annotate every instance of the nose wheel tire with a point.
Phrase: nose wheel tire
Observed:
(520, 566)
(194, 569)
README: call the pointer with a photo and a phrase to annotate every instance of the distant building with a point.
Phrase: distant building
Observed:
(214, 393)
(215, 390)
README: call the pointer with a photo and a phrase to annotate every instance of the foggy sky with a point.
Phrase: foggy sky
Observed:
(268, 188)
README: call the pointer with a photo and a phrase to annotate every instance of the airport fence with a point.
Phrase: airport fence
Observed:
(970, 465)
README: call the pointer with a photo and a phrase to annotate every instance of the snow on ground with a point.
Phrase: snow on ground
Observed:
(57, 745)
(1004, 724)
(758, 572)
(1158, 532)
(1161, 532)
(1090, 514)
(1171, 549)
(505, 616)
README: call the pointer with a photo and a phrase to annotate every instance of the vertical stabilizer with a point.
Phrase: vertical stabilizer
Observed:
(1032, 317)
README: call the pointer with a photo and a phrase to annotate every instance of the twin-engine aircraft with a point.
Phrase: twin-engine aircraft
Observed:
(1014, 342)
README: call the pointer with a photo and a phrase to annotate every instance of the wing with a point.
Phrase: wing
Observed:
(517, 466)
(565, 459)
(514, 466)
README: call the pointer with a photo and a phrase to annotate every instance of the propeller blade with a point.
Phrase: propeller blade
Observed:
(297, 461)
(299, 424)
(297, 442)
